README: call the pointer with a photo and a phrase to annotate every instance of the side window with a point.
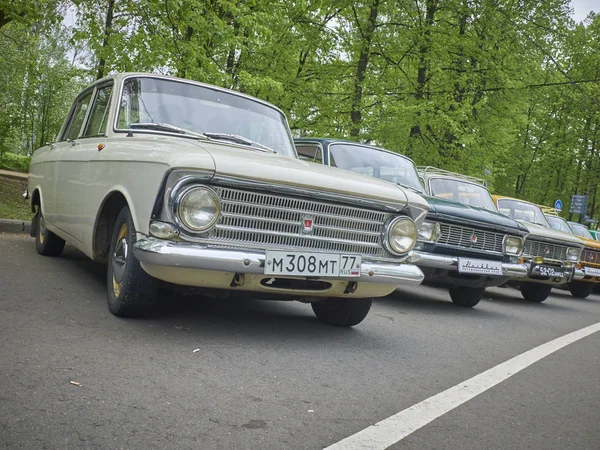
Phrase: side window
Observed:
(97, 123)
(309, 153)
(72, 131)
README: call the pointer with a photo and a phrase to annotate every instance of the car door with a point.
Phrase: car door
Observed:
(74, 169)
(64, 150)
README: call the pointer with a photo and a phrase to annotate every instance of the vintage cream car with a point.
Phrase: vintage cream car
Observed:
(168, 179)
(553, 255)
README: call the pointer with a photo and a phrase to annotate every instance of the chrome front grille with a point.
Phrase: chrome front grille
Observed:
(547, 251)
(590, 256)
(252, 219)
(471, 238)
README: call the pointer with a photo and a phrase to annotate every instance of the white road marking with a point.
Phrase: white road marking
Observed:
(395, 428)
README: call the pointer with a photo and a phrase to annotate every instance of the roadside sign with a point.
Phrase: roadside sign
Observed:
(579, 204)
(558, 205)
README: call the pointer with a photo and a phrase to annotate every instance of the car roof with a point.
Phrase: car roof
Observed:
(321, 140)
(119, 77)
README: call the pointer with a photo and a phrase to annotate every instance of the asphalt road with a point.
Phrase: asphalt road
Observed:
(268, 375)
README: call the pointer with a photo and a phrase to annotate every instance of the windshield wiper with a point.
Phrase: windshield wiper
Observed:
(238, 139)
(407, 186)
(165, 127)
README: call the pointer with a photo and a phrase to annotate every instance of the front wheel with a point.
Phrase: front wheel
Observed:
(466, 296)
(580, 290)
(342, 312)
(131, 291)
(535, 292)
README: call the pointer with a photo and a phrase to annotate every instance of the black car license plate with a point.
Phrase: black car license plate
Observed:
(551, 271)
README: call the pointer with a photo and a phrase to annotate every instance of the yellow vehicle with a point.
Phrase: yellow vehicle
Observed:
(590, 258)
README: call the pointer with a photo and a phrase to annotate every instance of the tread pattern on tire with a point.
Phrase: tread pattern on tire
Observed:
(52, 245)
(342, 312)
(466, 296)
(535, 292)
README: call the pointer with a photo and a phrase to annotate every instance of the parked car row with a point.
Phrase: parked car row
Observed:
(167, 179)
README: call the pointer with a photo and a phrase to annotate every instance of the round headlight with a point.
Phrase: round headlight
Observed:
(401, 235)
(429, 231)
(198, 208)
(513, 245)
(573, 254)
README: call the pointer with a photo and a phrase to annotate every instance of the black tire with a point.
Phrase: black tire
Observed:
(131, 291)
(342, 312)
(580, 290)
(46, 242)
(466, 296)
(535, 292)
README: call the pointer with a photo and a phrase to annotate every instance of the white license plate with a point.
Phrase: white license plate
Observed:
(312, 264)
(592, 271)
(479, 266)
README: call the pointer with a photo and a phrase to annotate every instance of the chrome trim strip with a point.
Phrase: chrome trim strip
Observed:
(193, 256)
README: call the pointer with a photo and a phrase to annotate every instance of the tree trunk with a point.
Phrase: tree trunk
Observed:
(361, 69)
(107, 32)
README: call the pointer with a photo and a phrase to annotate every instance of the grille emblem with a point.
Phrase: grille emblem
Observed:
(307, 225)
(473, 239)
(547, 251)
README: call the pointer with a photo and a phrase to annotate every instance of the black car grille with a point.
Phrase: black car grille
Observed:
(590, 256)
(471, 238)
(547, 251)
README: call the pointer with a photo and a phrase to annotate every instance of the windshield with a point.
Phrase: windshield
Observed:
(581, 230)
(463, 192)
(201, 109)
(375, 163)
(559, 224)
(528, 212)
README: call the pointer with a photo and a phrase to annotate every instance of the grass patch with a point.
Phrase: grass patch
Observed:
(12, 205)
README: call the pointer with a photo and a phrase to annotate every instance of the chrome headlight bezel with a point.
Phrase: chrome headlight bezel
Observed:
(575, 254)
(517, 246)
(180, 205)
(429, 232)
(410, 232)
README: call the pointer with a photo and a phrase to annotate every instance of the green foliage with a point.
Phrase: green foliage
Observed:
(12, 204)
(480, 87)
(11, 161)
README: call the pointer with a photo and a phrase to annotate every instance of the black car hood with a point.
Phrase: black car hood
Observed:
(455, 212)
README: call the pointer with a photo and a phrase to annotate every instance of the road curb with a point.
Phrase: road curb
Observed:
(14, 226)
(14, 175)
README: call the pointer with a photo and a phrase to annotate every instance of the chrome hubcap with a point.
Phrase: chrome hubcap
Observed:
(119, 258)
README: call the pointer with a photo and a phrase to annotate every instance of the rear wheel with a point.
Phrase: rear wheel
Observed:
(131, 291)
(342, 312)
(535, 292)
(466, 296)
(580, 290)
(46, 242)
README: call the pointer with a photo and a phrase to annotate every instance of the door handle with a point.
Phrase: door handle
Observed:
(72, 142)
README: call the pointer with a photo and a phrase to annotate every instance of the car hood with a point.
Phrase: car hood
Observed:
(447, 210)
(251, 164)
(590, 243)
(549, 234)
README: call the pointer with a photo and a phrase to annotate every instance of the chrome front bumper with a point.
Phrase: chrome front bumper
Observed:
(451, 263)
(195, 256)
